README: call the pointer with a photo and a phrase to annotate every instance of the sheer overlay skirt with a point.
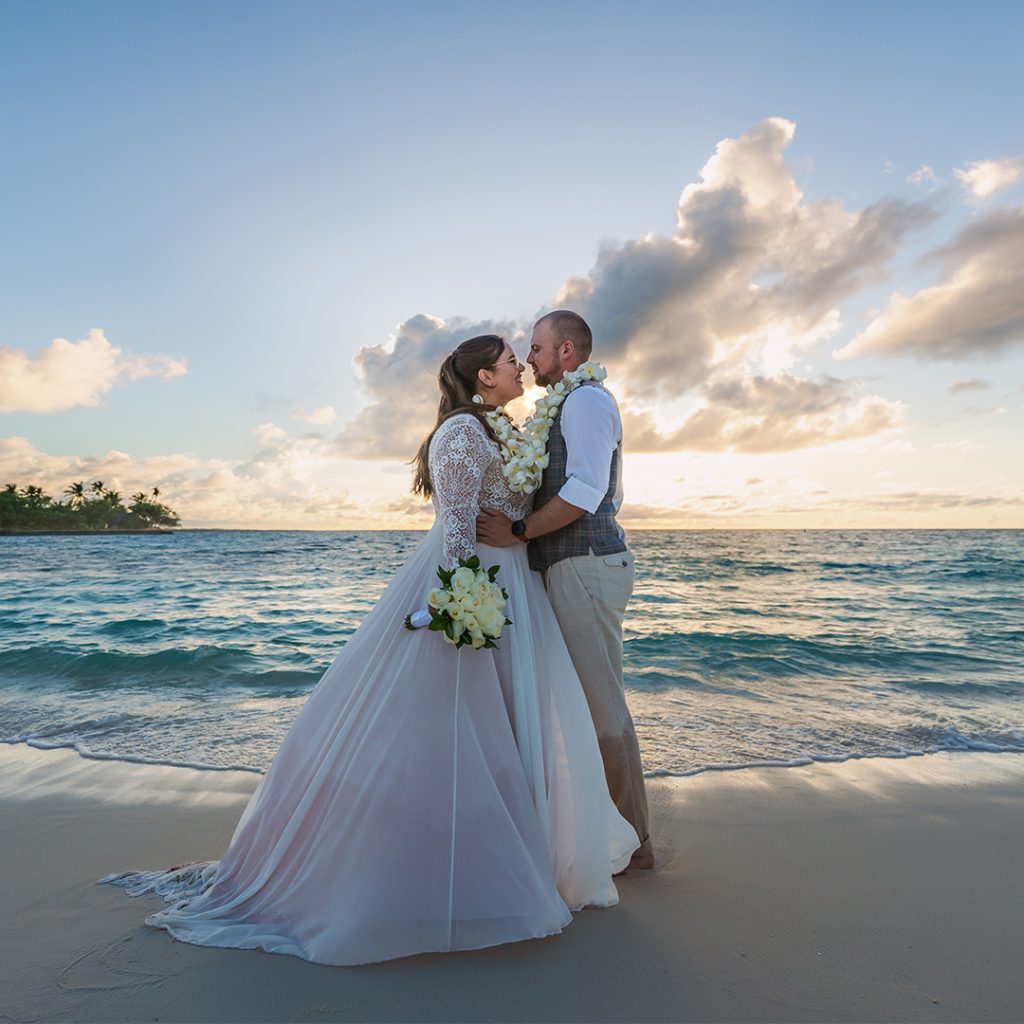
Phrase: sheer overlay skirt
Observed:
(425, 799)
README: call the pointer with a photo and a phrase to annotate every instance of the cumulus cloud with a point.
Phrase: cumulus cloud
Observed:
(923, 175)
(293, 485)
(21, 462)
(400, 378)
(977, 310)
(751, 257)
(269, 433)
(67, 374)
(322, 417)
(750, 281)
(768, 414)
(984, 178)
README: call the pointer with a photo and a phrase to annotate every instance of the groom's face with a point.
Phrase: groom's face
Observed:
(544, 355)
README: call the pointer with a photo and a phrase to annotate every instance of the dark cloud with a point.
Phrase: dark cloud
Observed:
(851, 259)
(639, 299)
(750, 257)
(721, 310)
(977, 310)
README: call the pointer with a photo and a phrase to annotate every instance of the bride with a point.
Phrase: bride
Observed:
(426, 798)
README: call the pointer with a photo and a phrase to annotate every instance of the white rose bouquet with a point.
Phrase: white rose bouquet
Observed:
(468, 607)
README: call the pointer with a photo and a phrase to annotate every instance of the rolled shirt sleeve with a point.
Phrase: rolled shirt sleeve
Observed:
(592, 430)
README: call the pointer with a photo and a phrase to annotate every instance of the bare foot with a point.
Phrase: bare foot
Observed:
(642, 860)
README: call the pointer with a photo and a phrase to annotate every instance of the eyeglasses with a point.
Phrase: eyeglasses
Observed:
(514, 361)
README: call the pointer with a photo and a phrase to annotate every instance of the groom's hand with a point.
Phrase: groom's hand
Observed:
(494, 528)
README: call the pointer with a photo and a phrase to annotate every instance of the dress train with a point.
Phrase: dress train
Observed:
(425, 799)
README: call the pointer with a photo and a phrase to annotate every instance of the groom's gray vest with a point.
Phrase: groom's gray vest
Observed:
(595, 532)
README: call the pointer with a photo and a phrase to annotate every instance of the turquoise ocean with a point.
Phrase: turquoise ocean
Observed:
(742, 648)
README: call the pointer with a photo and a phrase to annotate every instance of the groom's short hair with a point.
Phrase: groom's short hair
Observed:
(570, 326)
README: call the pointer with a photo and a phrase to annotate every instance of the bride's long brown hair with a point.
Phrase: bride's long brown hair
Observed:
(457, 380)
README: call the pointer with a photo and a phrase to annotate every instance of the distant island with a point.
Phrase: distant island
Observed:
(85, 509)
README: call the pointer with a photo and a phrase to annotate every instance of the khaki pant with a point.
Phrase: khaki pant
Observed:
(589, 594)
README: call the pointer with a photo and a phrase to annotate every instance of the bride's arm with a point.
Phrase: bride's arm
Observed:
(459, 454)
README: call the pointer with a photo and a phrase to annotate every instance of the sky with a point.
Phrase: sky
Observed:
(238, 239)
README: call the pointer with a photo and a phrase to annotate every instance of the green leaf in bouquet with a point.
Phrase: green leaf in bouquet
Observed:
(473, 562)
(492, 572)
(437, 623)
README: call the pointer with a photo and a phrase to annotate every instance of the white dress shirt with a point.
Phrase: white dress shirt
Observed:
(592, 430)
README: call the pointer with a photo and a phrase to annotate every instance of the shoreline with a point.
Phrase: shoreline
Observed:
(650, 776)
(872, 889)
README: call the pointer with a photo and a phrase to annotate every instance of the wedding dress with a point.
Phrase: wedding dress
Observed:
(425, 799)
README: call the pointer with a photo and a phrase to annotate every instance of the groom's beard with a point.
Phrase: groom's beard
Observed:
(542, 380)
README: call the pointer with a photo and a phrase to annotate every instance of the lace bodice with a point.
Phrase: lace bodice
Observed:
(466, 471)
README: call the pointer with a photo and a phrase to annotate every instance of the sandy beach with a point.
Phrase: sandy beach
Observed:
(864, 891)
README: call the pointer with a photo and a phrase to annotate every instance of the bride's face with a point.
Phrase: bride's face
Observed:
(503, 381)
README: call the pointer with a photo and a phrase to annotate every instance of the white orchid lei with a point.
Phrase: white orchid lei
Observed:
(524, 450)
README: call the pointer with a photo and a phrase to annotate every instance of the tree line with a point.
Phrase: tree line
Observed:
(89, 507)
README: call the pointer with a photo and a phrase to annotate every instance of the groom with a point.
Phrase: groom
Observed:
(575, 541)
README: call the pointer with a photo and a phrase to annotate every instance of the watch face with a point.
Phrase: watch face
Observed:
(518, 528)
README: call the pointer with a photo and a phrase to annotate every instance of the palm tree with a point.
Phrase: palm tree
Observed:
(10, 488)
(97, 487)
(114, 498)
(156, 492)
(35, 496)
(76, 494)
(139, 497)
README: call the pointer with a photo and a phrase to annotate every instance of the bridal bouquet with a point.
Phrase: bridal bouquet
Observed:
(468, 607)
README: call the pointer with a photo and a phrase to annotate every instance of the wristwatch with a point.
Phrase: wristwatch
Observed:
(519, 529)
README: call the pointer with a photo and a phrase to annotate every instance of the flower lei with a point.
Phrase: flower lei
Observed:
(524, 451)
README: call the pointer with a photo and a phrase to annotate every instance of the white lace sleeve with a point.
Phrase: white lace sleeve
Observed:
(459, 454)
